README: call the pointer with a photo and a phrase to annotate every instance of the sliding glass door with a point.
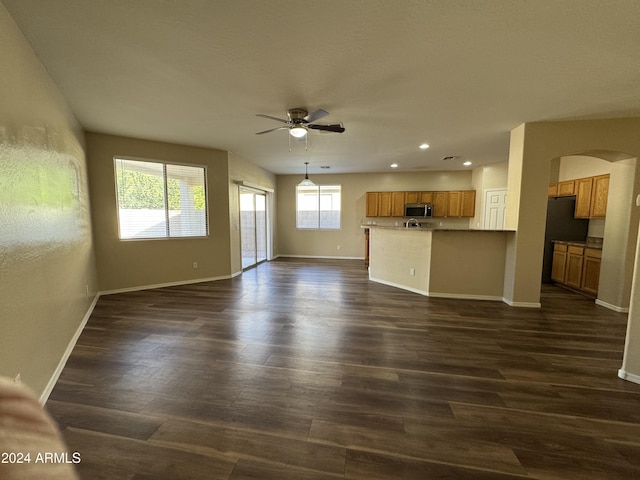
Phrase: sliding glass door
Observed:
(253, 227)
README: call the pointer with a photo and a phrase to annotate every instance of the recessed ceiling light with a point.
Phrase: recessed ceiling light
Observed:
(394, 165)
(424, 146)
(467, 163)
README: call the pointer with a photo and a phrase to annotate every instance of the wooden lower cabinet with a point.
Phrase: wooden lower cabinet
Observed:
(575, 259)
(591, 270)
(576, 267)
(559, 265)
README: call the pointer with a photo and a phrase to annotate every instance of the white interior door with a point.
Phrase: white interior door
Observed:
(495, 203)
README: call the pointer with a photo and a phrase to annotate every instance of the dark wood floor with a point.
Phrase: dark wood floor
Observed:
(305, 370)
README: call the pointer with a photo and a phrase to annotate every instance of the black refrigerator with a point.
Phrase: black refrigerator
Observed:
(561, 225)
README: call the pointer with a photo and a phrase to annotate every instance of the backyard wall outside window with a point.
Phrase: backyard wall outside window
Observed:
(318, 207)
(160, 200)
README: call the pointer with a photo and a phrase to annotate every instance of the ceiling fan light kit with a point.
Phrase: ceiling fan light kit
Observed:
(298, 131)
(300, 121)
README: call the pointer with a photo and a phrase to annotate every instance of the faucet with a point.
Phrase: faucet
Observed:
(411, 220)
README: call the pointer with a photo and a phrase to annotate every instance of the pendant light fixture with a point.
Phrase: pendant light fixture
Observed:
(306, 182)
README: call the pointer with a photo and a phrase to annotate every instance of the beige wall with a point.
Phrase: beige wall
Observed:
(580, 166)
(440, 263)
(243, 171)
(468, 264)
(47, 270)
(620, 232)
(138, 263)
(392, 265)
(350, 238)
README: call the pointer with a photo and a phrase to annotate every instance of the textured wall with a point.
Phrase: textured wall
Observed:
(47, 271)
(133, 264)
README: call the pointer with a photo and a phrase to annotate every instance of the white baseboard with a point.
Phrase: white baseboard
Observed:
(397, 285)
(320, 256)
(464, 296)
(511, 303)
(63, 361)
(629, 376)
(610, 306)
(168, 284)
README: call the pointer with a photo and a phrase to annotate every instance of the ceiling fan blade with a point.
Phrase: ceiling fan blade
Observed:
(272, 118)
(317, 115)
(327, 128)
(271, 130)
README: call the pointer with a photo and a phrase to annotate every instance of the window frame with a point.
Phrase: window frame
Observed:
(164, 164)
(319, 227)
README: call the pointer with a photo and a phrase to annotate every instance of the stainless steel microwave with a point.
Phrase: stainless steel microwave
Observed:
(418, 210)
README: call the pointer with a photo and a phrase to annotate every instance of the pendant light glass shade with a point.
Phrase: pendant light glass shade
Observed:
(306, 182)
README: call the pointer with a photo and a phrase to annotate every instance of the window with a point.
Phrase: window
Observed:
(160, 200)
(318, 207)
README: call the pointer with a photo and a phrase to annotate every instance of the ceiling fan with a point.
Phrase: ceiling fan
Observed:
(300, 121)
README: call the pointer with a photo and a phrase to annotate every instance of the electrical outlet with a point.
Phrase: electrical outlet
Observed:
(412, 271)
(338, 247)
(195, 264)
(18, 379)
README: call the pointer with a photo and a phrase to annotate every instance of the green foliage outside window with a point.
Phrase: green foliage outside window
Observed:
(142, 190)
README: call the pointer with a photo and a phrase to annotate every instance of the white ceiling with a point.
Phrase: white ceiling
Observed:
(457, 74)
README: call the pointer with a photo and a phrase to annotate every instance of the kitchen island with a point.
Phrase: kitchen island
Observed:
(438, 262)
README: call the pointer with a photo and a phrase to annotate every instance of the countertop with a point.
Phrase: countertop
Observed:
(578, 243)
(430, 229)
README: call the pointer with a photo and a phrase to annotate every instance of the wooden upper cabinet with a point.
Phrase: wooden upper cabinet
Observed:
(425, 197)
(440, 201)
(566, 188)
(418, 197)
(384, 204)
(468, 208)
(599, 194)
(562, 189)
(454, 205)
(461, 204)
(412, 197)
(445, 204)
(583, 197)
(397, 204)
(372, 204)
(591, 195)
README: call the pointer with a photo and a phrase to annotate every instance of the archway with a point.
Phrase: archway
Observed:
(532, 147)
